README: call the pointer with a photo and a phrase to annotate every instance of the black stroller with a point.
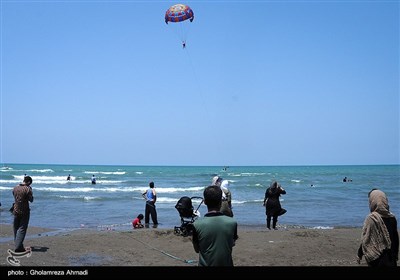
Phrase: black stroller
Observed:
(188, 214)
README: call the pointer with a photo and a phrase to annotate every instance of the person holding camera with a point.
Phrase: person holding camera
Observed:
(22, 196)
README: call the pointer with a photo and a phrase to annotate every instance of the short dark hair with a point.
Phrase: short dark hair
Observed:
(151, 184)
(212, 196)
(140, 216)
(28, 180)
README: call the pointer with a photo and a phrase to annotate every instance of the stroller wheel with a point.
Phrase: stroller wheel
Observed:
(177, 231)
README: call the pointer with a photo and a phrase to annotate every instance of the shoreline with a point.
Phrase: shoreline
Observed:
(256, 246)
(6, 230)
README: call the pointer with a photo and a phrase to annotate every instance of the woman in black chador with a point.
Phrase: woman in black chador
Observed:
(273, 208)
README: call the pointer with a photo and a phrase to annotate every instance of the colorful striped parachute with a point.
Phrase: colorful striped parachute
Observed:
(178, 13)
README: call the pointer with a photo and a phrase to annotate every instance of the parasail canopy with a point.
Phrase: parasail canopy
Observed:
(178, 13)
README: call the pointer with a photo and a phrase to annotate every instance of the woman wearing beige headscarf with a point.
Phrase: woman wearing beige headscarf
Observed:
(226, 205)
(379, 238)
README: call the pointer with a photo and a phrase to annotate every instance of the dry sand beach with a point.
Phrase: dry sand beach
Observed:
(287, 251)
(161, 247)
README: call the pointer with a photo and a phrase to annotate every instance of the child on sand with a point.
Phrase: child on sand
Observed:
(137, 222)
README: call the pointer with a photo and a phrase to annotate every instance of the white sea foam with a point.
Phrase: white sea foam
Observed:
(106, 172)
(38, 171)
(246, 174)
(6, 168)
(321, 227)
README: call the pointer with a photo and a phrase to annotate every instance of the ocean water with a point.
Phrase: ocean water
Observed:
(316, 195)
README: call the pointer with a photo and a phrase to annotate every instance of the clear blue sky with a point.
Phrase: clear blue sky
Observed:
(259, 83)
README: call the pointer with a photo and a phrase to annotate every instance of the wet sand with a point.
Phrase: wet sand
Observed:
(258, 247)
(148, 251)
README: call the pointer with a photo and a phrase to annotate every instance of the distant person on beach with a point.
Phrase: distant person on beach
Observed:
(226, 205)
(22, 196)
(214, 235)
(69, 177)
(379, 238)
(137, 222)
(93, 180)
(150, 210)
(273, 208)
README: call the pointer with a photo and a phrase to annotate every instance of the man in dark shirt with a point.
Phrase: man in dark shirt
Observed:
(215, 234)
(21, 211)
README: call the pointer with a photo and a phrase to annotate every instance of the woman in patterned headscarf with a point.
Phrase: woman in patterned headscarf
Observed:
(379, 238)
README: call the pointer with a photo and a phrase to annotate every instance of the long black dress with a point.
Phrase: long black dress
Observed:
(273, 207)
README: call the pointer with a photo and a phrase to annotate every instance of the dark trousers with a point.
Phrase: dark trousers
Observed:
(20, 225)
(274, 221)
(150, 210)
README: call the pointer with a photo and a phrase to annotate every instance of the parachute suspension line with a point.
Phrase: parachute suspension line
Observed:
(178, 30)
(198, 87)
(184, 31)
(165, 253)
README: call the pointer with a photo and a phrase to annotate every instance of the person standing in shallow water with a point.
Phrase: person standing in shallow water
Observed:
(273, 208)
(150, 210)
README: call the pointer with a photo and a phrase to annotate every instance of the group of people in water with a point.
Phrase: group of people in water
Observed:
(345, 179)
(93, 180)
(273, 208)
